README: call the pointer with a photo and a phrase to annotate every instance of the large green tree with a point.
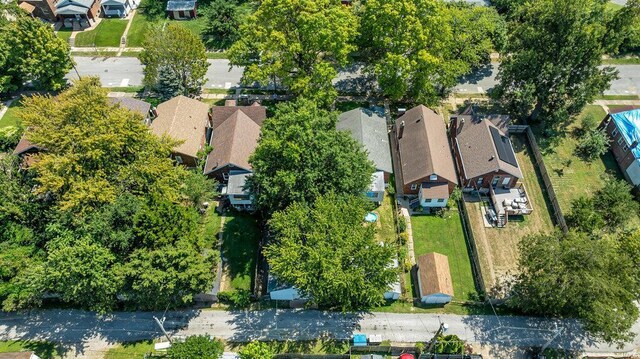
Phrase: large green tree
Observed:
(196, 346)
(326, 251)
(418, 49)
(298, 44)
(550, 66)
(301, 156)
(222, 28)
(30, 51)
(173, 56)
(574, 275)
(96, 151)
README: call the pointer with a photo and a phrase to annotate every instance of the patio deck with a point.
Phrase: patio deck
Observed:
(510, 201)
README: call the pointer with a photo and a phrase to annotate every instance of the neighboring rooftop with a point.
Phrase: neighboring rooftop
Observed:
(377, 182)
(24, 146)
(628, 123)
(369, 127)
(183, 119)
(484, 145)
(435, 277)
(233, 142)
(236, 183)
(132, 104)
(424, 146)
(73, 7)
(219, 114)
(181, 5)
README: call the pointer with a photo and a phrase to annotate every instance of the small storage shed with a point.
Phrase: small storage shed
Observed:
(181, 9)
(434, 279)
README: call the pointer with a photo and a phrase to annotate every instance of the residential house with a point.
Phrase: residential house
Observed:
(82, 11)
(487, 163)
(483, 151)
(434, 279)
(237, 193)
(187, 120)
(182, 9)
(44, 9)
(26, 151)
(368, 127)
(28, 8)
(236, 130)
(623, 129)
(424, 169)
(144, 108)
(117, 8)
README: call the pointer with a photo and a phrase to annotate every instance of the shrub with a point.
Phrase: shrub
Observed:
(240, 298)
(403, 237)
(402, 224)
(9, 138)
(593, 144)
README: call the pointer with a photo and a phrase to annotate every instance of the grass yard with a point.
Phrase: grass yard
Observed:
(11, 117)
(108, 33)
(45, 350)
(498, 247)
(141, 24)
(241, 236)
(133, 350)
(572, 177)
(445, 235)
(64, 34)
(386, 224)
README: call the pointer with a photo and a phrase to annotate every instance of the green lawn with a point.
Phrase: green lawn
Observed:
(108, 33)
(141, 24)
(386, 230)
(571, 176)
(133, 350)
(241, 236)
(44, 350)
(64, 34)
(11, 117)
(445, 236)
(211, 227)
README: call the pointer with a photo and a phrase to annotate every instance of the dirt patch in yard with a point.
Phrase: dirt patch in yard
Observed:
(498, 247)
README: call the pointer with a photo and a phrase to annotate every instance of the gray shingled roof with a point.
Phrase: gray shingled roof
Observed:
(182, 5)
(370, 129)
(237, 181)
(132, 104)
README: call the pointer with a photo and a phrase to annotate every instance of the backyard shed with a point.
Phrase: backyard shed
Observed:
(181, 9)
(434, 279)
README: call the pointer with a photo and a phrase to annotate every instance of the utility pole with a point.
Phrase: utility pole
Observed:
(558, 332)
(160, 324)
(442, 328)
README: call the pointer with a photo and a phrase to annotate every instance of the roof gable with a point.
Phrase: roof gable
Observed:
(435, 276)
(233, 142)
(183, 119)
(370, 129)
(220, 114)
(424, 146)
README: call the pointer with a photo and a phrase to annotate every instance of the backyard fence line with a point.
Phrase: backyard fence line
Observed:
(537, 154)
(312, 356)
(380, 349)
(471, 247)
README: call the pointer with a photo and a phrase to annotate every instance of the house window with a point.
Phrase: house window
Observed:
(625, 148)
(614, 133)
(433, 178)
(225, 176)
(427, 200)
(620, 140)
(414, 187)
(440, 200)
(178, 159)
(480, 181)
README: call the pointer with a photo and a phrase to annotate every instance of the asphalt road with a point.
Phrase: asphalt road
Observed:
(86, 332)
(127, 71)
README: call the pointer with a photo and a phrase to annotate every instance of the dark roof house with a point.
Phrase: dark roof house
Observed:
(132, 104)
(369, 127)
(236, 130)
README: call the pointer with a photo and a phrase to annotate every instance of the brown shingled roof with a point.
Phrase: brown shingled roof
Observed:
(183, 119)
(16, 355)
(233, 142)
(23, 146)
(135, 105)
(477, 148)
(27, 7)
(219, 114)
(424, 147)
(435, 277)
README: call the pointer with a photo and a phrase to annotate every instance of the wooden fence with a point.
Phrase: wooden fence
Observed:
(471, 247)
(539, 161)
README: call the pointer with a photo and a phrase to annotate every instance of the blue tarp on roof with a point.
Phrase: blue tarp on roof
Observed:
(628, 124)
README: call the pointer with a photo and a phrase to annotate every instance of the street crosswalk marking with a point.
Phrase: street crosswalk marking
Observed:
(227, 85)
(124, 83)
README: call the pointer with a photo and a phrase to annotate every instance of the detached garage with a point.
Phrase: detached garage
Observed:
(434, 279)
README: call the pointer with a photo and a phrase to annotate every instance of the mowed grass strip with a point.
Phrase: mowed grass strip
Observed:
(106, 34)
(445, 236)
(12, 116)
(241, 236)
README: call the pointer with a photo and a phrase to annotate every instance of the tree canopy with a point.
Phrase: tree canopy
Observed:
(175, 60)
(30, 51)
(574, 275)
(298, 44)
(301, 155)
(550, 66)
(418, 49)
(326, 251)
(102, 218)
(196, 346)
(256, 350)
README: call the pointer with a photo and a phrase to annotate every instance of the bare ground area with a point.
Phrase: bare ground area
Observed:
(498, 247)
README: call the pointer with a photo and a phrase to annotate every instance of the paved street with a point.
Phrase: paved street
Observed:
(85, 332)
(127, 71)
